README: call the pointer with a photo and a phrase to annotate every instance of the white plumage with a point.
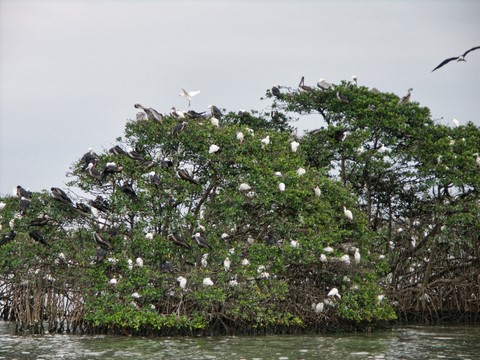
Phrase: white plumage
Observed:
(215, 121)
(113, 281)
(139, 262)
(281, 186)
(240, 137)
(226, 264)
(244, 187)
(188, 95)
(357, 256)
(130, 264)
(265, 141)
(207, 282)
(323, 258)
(182, 282)
(319, 307)
(317, 191)
(301, 171)
(294, 146)
(213, 149)
(455, 122)
(345, 259)
(136, 295)
(348, 214)
(149, 236)
(328, 250)
(334, 292)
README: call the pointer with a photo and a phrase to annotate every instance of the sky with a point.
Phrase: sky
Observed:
(71, 71)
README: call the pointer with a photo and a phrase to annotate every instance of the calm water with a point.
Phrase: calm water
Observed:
(414, 342)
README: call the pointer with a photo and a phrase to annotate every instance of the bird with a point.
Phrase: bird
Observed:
(294, 146)
(89, 157)
(213, 149)
(240, 137)
(281, 187)
(301, 171)
(83, 208)
(354, 80)
(100, 254)
(348, 214)
(24, 204)
(303, 87)
(406, 98)
(41, 221)
(216, 113)
(357, 256)
(111, 168)
(265, 141)
(60, 195)
(458, 58)
(191, 114)
(276, 91)
(334, 292)
(178, 128)
(188, 94)
(100, 203)
(319, 307)
(92, 170)
(455, 122)
(207, 282)
(101, 241)
(6, 238)
(215, 122)
(135, 155)
(182, 281)
(154, 179)
(139, 262)
(244, 187)
(184, 175)
(342, 98)
(35, 235)
(117, 150)
(21, 192)
(382, 149)
(177, 240)
(317, 191)
(152, 114)
(324, 85)
(226, 263)
(201, 241)
(340, 134)
(141, 116)
(128, 190)
(113, 281)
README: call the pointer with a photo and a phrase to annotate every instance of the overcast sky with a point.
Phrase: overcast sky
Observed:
(71, 71)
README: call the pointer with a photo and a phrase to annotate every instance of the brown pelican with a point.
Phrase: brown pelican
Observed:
(24, 204)
(128, 190)
(405, 99)
(324, 85)
(188, 94)
(92, 170)
(152, 114)
(41, 221)
(111, 168)
(154, 179)
(101, 241)
(184, 175)
(458, 58)
(117, 150)
(342, 98)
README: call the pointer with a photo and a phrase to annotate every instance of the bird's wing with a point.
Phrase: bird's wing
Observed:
(193, 93)
(446, 61)
(474, 48)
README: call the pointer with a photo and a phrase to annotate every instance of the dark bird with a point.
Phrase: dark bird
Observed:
(6, 238)
(191, 114)
(83, 208)
(92, 170)
(184, 175)
(24, 204)
(41, 221)
(152, 114)
(117, 150)
(100, 204)
(101, 241)
(135, 155)
(154, 179)
(128, 190)
(110, 169)
(89, 157)
(276, 91)
(177, 240)
(406, 98)
(458, 58)
(100, 254)
(22, 192)
(201, 241)
(178, 128)
(342, 98)
(166, 163)
(35, 235)
(60, 195)
(303, 87)
(340, 135)
(216, 113)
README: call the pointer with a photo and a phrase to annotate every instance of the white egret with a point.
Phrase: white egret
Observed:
(139, 262)
(188, 95)
(348, 214)
(281, 186)
(317, 191)
(226, 264)
(182, 281)
(294, 146)
(334, 292)
(213, 149)
(207, 282)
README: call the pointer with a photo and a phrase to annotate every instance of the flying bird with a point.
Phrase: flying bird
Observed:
(152, 114)
(405, 99)
(458, 58)
(188, 95)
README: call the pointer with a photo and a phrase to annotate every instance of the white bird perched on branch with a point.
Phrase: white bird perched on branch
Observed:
(324, 85)
(334, 292)
(182, 282)
(213, 149)
(317, 191)
(226, 264)
(188, 94)
(294, 146)
(265, 141)
(455, 122)
(281, 187)
(207, 282)
(348, 214)
(301, 171)
(240, 137)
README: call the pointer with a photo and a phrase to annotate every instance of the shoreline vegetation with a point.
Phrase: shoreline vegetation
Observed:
(230, 223)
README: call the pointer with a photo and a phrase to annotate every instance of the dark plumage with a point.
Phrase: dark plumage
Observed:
(458, 58)
(195, 115)
(24, 204)
(201, 242)
(177, 240)
(83, 208)
(216, 113)
(342, 98)
(92, 170)
(128, 190)
(6, 238)
(117, 150)
(89, 157)
(21, 192)
(178, 128)
(184, 175)
(111, 168)
(100, 254)
(276, 92)
(101, 241)
(152, 114)
(339, 134)
(100, 204)
(154, 179)
(304, 87)
(135, 155)
(41, 221)
(35, 235)
(60, 195)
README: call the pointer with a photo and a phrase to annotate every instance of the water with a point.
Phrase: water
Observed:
(413, 342)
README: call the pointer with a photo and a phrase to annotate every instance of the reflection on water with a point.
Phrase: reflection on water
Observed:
(414, 342)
